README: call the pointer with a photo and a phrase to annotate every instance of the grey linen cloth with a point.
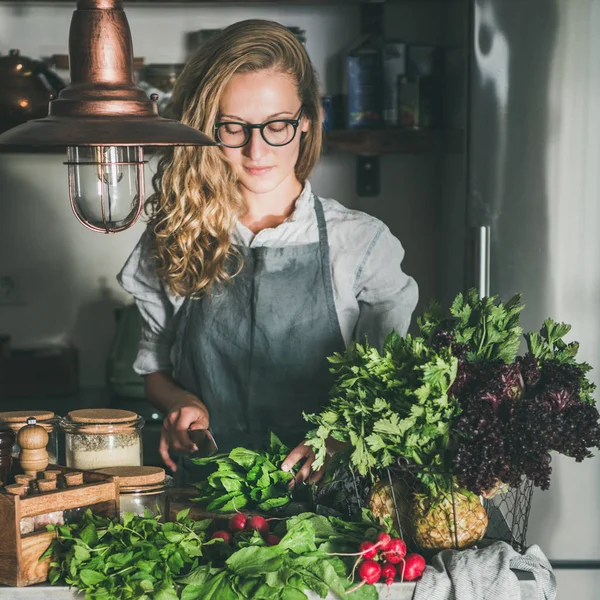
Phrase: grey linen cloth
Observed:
(484, 573)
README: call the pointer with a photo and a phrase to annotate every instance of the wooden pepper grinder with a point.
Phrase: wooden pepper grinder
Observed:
(33, 440)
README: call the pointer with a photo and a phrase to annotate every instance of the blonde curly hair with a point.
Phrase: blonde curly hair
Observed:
(196, 200)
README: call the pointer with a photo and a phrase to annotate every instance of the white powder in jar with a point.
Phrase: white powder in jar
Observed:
(93, 451)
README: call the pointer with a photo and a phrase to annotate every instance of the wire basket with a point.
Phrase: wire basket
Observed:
(450, 518)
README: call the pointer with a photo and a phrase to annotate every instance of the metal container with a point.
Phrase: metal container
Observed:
(159, 78)
(26, 88)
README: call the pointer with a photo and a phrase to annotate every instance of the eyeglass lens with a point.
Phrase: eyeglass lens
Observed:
(276, 133)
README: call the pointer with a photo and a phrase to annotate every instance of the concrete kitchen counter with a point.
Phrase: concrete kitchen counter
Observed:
(398, 591)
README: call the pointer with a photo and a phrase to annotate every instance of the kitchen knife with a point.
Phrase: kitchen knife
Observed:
(205, 441)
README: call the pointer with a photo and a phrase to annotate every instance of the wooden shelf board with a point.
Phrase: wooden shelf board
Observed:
(391, 141)
(214, 2)
(359, 141)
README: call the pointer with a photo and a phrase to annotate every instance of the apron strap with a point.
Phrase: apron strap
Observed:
(325, 263)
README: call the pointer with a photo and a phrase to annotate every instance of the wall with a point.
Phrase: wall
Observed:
(66, 275)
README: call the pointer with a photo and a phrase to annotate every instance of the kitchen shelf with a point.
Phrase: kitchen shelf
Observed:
(219, 2)
(364, 141)
(392, 141)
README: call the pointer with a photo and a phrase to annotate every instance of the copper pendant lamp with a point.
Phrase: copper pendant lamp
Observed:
(104, 120)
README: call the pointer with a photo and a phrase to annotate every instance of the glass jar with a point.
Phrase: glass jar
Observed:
(141, 489)
(7, 440)
(17, 419)
(102, 437)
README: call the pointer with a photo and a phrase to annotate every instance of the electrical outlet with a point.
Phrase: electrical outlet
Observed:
(9, 291)
(367, 176)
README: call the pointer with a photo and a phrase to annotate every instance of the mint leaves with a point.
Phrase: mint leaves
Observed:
(245, 479)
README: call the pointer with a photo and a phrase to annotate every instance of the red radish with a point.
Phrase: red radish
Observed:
(368, 549)
(370, 571)
(388, 572)
(221, 534)
(396, 551)
(414, 565)
(383, 540)
(237, 522)
(258, 523)
(272, 540)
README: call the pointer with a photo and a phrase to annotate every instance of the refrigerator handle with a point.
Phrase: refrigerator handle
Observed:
(482, 260)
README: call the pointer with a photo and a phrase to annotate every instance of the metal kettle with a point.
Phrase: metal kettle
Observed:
(26, 88)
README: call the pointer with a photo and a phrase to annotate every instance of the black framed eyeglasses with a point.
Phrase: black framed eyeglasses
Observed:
(278, 132)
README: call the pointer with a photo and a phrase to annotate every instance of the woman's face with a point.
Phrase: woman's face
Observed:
(256, 98)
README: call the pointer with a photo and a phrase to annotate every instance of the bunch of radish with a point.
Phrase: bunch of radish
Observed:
(241, 522)
(384, 560)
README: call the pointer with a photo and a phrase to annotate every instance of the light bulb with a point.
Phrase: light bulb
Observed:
(106, 185)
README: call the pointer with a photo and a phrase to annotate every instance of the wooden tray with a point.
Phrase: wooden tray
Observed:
(20, 554)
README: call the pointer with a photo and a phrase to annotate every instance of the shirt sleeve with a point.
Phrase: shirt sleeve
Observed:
(156, 307)
(386, 295)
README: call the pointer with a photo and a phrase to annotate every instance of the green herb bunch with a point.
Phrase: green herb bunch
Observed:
(138, 558)
(246, 479)
(460, 397)
(389, 404)
(485, 328)
(143, 558)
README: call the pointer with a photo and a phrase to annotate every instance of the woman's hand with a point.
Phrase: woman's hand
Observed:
(186, 414)
(304, 474)
(303, 451)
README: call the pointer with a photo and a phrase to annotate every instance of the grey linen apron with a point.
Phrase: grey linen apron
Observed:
(255, 349)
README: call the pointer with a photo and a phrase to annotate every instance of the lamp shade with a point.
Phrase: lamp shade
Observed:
(102, 106)
(54, 131)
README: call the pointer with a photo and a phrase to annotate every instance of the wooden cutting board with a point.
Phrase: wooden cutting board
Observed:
(180, 499)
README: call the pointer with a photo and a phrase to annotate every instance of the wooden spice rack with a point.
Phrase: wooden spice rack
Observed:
(20, 554)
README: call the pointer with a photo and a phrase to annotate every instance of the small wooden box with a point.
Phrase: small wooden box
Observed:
(20, 554)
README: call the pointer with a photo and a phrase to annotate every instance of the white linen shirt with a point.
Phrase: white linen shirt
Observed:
(371, 292)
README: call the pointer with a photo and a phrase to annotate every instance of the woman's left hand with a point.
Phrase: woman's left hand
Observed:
(304, 473)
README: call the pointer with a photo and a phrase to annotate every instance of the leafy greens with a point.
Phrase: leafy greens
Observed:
(389, 404)
(142, 558)
(246, 479)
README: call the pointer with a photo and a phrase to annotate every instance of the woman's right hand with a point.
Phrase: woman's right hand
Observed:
(189, 413)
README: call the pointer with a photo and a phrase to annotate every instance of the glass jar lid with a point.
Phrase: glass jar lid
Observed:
(102, 421)
(18, 416)
(137, 478)
(101, 416)
(16, 419)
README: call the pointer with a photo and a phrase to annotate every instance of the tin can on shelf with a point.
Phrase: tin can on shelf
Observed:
(141, 489)
(102, 437)
(17, 419)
